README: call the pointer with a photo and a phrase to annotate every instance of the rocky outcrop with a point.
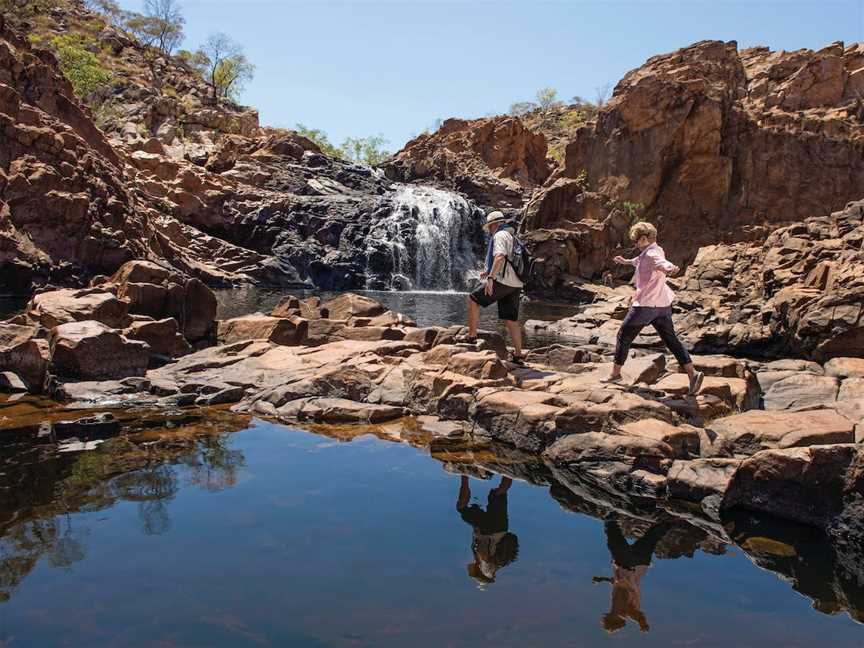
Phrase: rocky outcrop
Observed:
(495, 161)
(714, 144)
(171, 176)
(799, 293)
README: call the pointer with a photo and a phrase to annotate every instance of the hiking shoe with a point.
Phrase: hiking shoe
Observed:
(517, 359)
(465, 339)
(613, 380)
(696, 383)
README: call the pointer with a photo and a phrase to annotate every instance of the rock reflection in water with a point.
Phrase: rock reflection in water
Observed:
(831, 574)
(503, 554)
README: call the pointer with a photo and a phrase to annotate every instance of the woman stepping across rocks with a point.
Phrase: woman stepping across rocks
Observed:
(652, 304)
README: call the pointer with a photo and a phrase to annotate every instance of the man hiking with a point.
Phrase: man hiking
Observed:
(652, 304)
(501, 285)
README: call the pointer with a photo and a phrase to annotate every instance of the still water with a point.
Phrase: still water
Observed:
(237, 532)
(425, 308)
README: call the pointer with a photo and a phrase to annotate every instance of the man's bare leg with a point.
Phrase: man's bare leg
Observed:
(473, 317)
(515, 331)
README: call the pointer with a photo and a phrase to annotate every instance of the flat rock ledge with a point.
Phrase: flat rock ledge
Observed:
(791, 447)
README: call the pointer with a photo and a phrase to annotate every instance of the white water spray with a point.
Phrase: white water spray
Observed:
(430, 236)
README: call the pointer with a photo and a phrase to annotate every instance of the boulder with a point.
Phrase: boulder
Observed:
(279, 330)
(756, 430)
(57, 307)
(595, 447)
(163, 336)
(156, 292)
(697, 479)
(349, 305)
(845, 367)
(338, 410)
(24, 355)
(851, 389)
(522, 419)
(598, 411)
(683, 439)
(91, 350)
(477, 364)
(739, 393)
(723, 366)
(807, 485)
(802, 391)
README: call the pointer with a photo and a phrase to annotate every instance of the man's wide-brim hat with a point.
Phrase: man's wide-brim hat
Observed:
(494, 217)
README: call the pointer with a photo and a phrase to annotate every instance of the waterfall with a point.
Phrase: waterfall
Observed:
(430, 240)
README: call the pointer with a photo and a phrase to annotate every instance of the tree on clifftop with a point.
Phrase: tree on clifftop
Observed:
(546, 98)
(224, 66)
(167, 24)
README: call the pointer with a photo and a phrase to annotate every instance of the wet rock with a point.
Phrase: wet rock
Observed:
(231, 394)
(97, 426)
(57, 307)
(807, 485)
(802, 391)
(89, 350)
(750, 432)
(283, 331)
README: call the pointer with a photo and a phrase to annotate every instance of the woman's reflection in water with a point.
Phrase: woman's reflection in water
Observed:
(629, 564)
(493, 545)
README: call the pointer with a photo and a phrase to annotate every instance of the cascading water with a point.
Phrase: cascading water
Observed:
(431, 240)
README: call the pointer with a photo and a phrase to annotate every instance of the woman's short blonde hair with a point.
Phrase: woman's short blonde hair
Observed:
(641, 229)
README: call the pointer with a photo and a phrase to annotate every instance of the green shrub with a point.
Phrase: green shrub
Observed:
(632, 210)
(80, 65)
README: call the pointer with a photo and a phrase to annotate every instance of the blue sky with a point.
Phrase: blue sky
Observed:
(394, 66)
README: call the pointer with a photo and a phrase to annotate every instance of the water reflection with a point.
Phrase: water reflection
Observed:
(493, 545)
(42, 488)
(43, 491)
(630, 562)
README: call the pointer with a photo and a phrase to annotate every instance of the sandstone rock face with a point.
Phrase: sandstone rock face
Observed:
(705, 140)
(90, 350)
(494, 161)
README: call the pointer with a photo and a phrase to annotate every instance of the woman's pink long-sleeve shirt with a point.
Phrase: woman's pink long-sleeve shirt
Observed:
(651, 268)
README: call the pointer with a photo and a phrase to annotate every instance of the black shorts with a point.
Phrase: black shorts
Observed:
(507, 298)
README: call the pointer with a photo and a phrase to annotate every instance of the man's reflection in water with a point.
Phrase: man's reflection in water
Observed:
(629, 565)
(493, 545)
